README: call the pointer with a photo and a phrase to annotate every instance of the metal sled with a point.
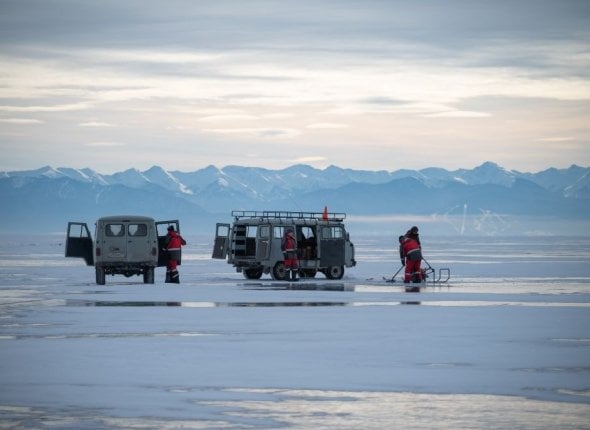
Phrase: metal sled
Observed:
(444, 274)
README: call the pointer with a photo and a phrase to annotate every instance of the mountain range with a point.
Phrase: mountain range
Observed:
(44, 199)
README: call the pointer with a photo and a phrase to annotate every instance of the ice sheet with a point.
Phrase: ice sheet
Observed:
(489, 349)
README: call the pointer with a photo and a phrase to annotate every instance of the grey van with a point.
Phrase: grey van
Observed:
(124, 245)
(252, 244)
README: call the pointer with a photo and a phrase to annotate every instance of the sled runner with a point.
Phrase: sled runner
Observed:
(444, 274)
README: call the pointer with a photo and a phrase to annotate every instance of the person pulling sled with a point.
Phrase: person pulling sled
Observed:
(411, 252)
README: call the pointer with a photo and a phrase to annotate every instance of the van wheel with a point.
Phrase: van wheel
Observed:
(335, 272)
(254, 273)
(148, 275)
(279, 273)
(100, 276)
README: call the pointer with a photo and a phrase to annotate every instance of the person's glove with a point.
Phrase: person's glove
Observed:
(403, 262)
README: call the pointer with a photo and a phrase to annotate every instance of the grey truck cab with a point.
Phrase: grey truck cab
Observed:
(253, 243)
(124, 245)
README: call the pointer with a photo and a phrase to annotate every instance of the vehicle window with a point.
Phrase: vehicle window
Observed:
(223, 230)
(335, 232)
(115, 230)
(78, 230)
(137, 229)
(251, 231)
(305, 233)
(264, 231)
(279, 231)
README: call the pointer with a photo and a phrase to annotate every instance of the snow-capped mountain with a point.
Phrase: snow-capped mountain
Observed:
(48, 195)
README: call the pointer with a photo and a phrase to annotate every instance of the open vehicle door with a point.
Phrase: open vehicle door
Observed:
(79, 242)
(220, 246)
(263, 242)
(162, 229)
(331, 246)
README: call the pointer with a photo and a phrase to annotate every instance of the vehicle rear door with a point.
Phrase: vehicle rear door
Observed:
(79, 242)
(113, 241)
(220, 246)
(331, 245)
(162, 230)
(138, 240)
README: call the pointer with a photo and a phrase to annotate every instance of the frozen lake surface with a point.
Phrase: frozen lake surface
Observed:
(505, 344)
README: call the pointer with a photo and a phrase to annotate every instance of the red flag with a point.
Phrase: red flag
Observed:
(325, 214)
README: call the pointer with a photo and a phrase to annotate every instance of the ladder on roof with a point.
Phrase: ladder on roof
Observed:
(330, 216)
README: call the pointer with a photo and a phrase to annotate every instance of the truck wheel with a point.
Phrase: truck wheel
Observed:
(148, 275)
(335, 272)
(254, 273)
(100, 276)
(279, 273)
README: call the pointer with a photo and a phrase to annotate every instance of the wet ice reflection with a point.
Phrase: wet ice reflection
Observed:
(308, 409)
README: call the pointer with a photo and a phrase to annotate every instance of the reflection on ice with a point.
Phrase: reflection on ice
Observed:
(301, 286)
(306, 409)
(266, 304)
(118, 335)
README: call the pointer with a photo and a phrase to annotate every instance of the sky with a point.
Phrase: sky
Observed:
(377, 85)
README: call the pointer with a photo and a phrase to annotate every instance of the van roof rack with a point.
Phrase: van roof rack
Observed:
(331, 216)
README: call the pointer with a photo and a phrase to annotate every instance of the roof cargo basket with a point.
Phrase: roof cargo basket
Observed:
(330, 216)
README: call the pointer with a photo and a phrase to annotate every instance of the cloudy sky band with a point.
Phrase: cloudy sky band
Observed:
(396, 77)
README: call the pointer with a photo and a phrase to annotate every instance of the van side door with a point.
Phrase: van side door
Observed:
(278, 233)
(162, 231)
(263, 241)
(220, 246)
(79, 242)
(332, 241)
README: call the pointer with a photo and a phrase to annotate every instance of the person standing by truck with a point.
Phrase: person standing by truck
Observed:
(289, 248)
(174, 242)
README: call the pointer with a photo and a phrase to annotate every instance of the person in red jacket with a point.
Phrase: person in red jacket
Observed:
(412, 252)
(289, 248)
(174, 242)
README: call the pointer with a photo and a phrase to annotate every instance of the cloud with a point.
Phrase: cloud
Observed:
(95, 124)
(397, 72)
(386, 101)
(278, 115)
(54, 108)
(326, 125)
(310, 159)
(21, 121)
(556, 139)
(229, 117)
(258, 132)
(458, 114)
(105, 144)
